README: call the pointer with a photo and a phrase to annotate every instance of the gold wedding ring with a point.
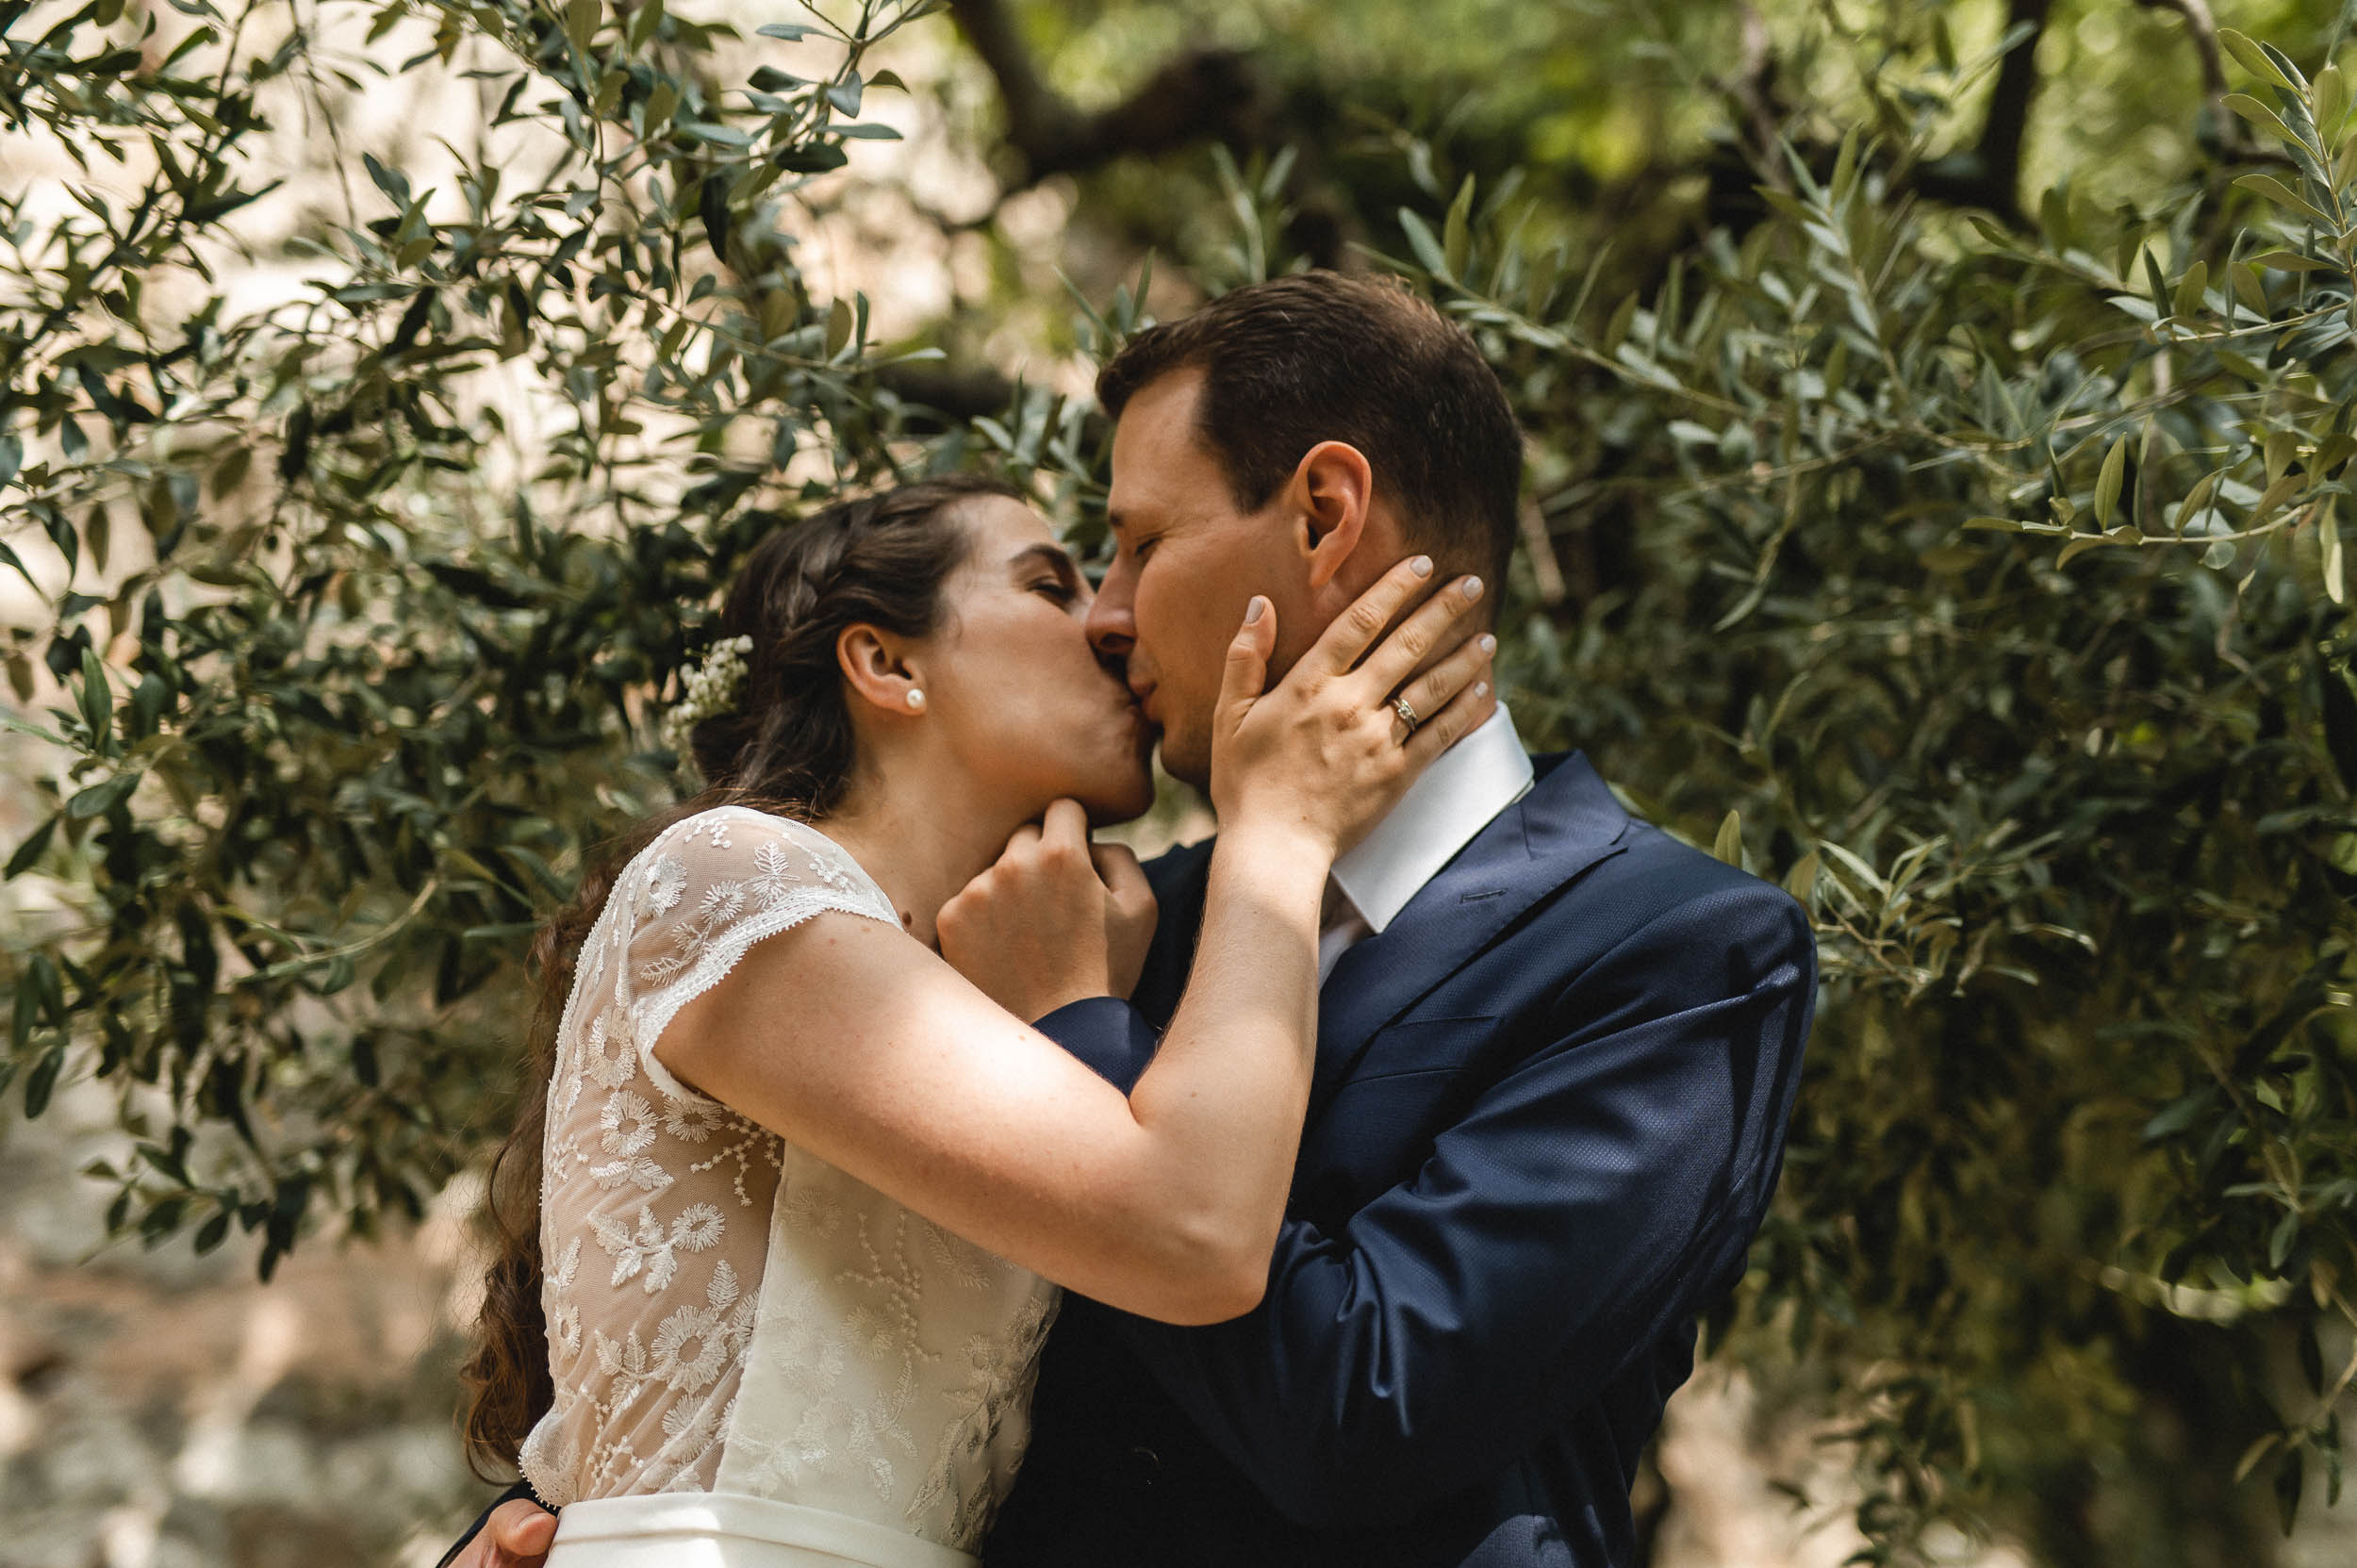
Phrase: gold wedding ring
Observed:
(1407, 716)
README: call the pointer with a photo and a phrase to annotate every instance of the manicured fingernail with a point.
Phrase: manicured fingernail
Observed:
(1253, 611)
(1481, 689)
(1421, 565)
(1473, 588)
(1489, 643)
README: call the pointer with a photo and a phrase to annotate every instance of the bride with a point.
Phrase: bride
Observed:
(797, 1199)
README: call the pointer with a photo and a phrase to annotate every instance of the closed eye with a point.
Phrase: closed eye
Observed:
(1046, 569)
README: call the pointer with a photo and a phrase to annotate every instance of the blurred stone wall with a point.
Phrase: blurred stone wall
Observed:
(159, 1410)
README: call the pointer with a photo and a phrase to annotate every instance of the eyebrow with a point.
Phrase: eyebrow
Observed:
(1053, 556)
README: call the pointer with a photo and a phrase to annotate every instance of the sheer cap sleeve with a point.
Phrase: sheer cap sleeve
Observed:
(705, 893)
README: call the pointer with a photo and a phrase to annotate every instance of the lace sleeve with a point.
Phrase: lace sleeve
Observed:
(711, 888)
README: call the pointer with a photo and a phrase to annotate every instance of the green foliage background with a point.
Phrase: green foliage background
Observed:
(1949, 527)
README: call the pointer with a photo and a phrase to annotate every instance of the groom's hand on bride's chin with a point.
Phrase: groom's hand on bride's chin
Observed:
(517, 1535)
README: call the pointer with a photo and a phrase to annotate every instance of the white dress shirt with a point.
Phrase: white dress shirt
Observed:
(1463, 790)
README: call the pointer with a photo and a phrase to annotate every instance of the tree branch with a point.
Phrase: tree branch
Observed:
(1986, 175)
(2203, 26)
(1753, 90)
(1202, 94)
(960, 392)
(2009, 103)
(1036, 116)
(1990, 174)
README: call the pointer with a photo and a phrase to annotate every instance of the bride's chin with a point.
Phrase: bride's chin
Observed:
(1124, 803)
(1114, 815)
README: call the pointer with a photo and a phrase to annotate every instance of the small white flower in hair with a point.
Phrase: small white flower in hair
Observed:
(708, 689)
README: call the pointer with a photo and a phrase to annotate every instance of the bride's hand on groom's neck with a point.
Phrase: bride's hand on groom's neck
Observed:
(1321, 755)
(1055, 919)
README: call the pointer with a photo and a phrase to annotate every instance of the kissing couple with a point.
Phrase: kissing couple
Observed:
(1343, 1189)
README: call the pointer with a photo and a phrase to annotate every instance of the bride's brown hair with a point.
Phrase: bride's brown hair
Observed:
(786, 745)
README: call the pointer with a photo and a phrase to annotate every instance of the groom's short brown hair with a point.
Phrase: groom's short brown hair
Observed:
(1323, 356)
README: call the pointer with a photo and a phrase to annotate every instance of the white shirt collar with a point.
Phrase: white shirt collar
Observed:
(1459, 793)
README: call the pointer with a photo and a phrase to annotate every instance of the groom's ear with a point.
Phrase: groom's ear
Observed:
(876, 668)
(1327, 497)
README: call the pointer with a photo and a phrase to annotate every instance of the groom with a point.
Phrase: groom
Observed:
(1556, 1048)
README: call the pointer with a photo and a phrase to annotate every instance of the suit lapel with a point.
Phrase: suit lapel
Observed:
(1566, 823)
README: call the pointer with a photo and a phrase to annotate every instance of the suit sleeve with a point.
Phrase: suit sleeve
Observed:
(1112, 1038)
(1596, 1196)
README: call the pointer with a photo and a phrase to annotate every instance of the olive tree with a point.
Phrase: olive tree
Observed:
(1985, 584)
(338, 724)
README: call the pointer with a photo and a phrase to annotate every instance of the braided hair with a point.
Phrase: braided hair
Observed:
(880, 562)
(784, 745)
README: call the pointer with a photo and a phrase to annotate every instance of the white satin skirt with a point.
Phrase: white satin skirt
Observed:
(728, 1529)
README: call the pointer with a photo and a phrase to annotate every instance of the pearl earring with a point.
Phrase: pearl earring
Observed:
(917, 701)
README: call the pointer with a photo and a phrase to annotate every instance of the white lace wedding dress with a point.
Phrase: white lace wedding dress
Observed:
(759, 1362)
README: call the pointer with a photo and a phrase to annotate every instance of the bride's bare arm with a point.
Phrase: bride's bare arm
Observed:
(864, 1047)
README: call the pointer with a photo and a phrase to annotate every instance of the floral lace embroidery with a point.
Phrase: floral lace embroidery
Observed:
(772, 887)
(612, 1057)
(565, 1316)
(665, 884)
(1000, 1370)
(629, 1127)
(813, 1342)
(651, 1249)
(719, 1329)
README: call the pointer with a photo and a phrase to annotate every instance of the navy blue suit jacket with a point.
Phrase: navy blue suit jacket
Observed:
(1547, 1112)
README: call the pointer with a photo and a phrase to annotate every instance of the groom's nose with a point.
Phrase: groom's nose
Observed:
(1112, 624)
